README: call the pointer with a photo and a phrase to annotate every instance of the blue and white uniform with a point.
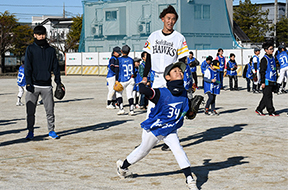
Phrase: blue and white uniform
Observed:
(231, 65)
(256, 67)
(21, 81)
(222, 63)
(204, 66)
(283, 61)
(271, 72)
(113, 61)
(193, 69)
(214, 88)
(249, 73)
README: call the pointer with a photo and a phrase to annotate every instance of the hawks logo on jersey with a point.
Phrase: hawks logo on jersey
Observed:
(163, 46)
(146, 44)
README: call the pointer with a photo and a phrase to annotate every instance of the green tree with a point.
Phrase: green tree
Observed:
(8, 22)
(252, 20)
(73, 36)
(282, 30)
(24, 34)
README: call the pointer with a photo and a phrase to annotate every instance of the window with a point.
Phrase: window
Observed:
(201, 11)
(111, 15)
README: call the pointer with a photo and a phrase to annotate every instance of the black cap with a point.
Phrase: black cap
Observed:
(215, 63)
(39, 30)
(136, 59)
(181, 65)
(117, 50)
(209, 58)
(256, 49)
(126, 49)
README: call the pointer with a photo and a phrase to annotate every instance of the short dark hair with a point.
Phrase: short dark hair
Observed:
(169, 9)
(39, 30)
(232, 55)
(267, 44)
(191, 52)
(143, 54)
(220, 49)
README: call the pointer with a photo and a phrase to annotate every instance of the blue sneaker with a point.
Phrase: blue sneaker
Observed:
(53, 135)
(30, 135)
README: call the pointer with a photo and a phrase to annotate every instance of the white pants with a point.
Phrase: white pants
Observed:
(21, 91)
(283, 74)
(149, 141)
(129, 85)
(111, 92)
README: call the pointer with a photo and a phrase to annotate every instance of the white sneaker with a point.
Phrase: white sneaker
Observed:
(19, 104)
(192, 184)
(110, 107)
(132, 113)
(121, 112)
(137, 106)
(123, 173)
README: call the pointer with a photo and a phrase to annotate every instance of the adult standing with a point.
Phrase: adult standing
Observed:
(40, 61)
(222, 68)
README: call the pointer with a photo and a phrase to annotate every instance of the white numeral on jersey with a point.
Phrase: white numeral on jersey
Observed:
(173, 111)
(128, 70)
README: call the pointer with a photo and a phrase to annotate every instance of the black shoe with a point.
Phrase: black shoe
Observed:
(206, 112)
(214, 113)
(165, 147)
(274, 114)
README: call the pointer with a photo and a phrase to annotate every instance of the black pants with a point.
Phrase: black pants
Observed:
(211, 101)
(267, 100)
(194, 75)
(221, 79)
(231, 77)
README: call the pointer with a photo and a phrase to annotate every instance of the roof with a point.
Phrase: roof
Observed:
(238, 32)
(62, 22)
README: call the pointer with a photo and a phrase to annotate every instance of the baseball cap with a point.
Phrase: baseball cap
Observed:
(117, 50)
(136, 59)
(215, 63)
(256, 49)
(126, 49)
(181, 65)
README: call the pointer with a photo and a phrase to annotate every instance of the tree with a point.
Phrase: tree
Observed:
(73, 36)
(282, 30)
(8, 22)
(252, 20)
(24, 34)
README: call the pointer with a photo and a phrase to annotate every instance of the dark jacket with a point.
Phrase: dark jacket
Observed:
(40, 61)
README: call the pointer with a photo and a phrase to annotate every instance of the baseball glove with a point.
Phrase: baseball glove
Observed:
(118, 86)
(194, 105)
(225, 73)
(59, 91)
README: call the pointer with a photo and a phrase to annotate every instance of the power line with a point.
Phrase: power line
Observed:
(10, 5)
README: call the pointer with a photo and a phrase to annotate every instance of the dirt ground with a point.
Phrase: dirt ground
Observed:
(236, 150)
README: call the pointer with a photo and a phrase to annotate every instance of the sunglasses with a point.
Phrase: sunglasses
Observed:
(271, 49)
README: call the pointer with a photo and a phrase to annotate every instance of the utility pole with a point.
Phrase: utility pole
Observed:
(286, 8)
(275, 19)
(63, 10)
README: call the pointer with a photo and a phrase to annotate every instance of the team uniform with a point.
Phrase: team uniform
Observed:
(164, 50)
(210, 88)
(232, 74)
(136, 93)
(188, 81)
(248, 74)
(256, 70)
(126, 70)
(21, 84)
(283, 61)
(193, 69)
(113, 61)
(222, 65)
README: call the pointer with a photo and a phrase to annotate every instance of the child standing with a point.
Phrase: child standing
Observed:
(248, 74)
(138, 79)
(171, 105)
(21, 83)
(204, 65)
(193, 63)
(222, 66)
(212, 86)
(232, 72)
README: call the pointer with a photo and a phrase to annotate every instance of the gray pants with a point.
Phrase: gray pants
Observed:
(31, 103)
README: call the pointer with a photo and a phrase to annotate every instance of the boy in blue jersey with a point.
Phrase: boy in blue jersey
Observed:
(222, 67)
(212, 86)
(232, 72)
(124, 74)
(21, 83)
(256, 70)
(193, 63)
(138, 79)
(282, 58)
(268, 76)
(171, 105)
(204, 65)
(113, 62)
(248, 74)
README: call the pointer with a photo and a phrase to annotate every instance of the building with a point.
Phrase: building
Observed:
(205, 24)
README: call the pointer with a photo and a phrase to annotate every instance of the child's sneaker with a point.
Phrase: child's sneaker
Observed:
(53, 135)
(30, 136)
(275, 114)
(137, 106)
(259, 113)
(132, 113)
(123, 173)
(214, 113)
(110, 107)
(191, 183)
(206, 112)
(19, 104)
(121, 112)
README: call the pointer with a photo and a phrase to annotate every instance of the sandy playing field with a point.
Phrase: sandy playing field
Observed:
(236, 150)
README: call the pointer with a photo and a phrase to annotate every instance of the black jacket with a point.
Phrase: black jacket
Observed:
(40, 61)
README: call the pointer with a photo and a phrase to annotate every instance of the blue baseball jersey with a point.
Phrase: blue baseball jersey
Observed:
(249, 73)
(193, 69)
(168, 114)
(204, 66)
(258, 63)
(137, 79)
(271, 73)
(188, 80)
(21, 77)
(231, 65)
(214, 88)
(126, 68)
(112, 61)
(283, 59)
(222, 62)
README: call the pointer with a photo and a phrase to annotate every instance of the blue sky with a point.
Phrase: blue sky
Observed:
(24, 10)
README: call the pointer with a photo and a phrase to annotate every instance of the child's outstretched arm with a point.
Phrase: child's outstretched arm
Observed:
(152, 94)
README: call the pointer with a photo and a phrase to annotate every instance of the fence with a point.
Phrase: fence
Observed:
(96, 63)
